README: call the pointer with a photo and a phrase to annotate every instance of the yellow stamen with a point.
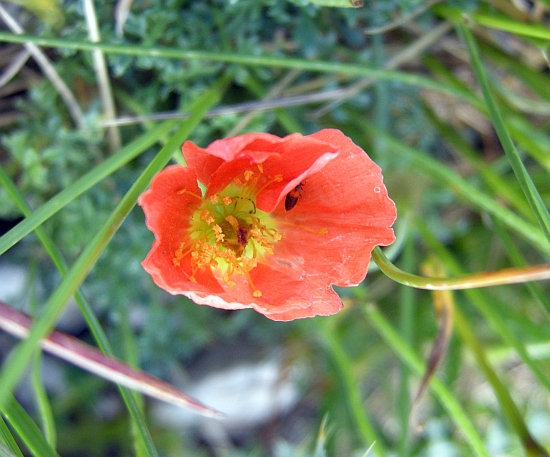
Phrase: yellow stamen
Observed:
(229, 234)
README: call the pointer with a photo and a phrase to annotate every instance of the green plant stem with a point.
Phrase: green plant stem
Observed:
(485, 305)
(469, 281)
(14, 368)
(518, 259)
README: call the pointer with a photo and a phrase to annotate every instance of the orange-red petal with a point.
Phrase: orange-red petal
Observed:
(168, 205)
(341, 213)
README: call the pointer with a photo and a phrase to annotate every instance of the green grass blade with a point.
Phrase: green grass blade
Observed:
(505, 401)
(43, 404)
(14, 368)
(351, 388)
(7, 440)
(67, 195)
(27, 429)
(406, 330)
(449, 179)
(535, 79)
(178, 53)
(533, 140)
(518, 259)
(529, 189)
(486, 306)
(144, 441)
(536, 32)
(498, 184)
(443, 394)
(504, 23)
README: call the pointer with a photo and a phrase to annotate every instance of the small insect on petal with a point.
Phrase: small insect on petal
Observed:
(293, 196)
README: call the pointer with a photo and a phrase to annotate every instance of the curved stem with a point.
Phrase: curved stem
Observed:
(471, 281)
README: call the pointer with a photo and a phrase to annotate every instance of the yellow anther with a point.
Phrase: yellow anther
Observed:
(229, 234)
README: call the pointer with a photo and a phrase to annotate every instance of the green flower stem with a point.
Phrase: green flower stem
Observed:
(531, 193)
(243, 59)
(469, 281)
(443, 394)
(125, 155)
(518, 259)
(15, 367)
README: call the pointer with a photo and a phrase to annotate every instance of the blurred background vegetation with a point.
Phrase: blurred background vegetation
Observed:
(350, 379)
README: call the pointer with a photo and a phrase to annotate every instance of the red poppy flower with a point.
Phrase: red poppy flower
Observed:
(280, 221)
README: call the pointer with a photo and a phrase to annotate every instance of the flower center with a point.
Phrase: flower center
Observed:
(229, 233)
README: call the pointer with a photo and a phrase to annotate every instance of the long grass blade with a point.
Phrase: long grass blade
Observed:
(529, 189)
(14, 368)
(459, 186)
(26, 428)
(443, 394)
(125, 155)
(144, 439)
(251, 60)
(505, 400)
(7, 440)
(90, 359)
